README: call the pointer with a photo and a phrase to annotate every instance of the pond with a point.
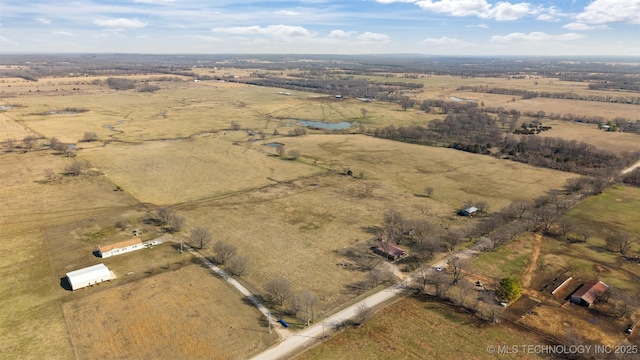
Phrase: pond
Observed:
(6, 107)
(324, 125)
(274, 144)
(460, 99)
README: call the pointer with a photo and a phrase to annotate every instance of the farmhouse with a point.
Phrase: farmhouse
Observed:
(391, 251)
(88, 276)
(587, 294)
(120, 247)
(470, 211)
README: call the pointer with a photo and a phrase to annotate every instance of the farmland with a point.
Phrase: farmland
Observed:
(205, 150)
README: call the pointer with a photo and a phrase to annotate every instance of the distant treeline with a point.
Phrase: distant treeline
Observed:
(477, 132)
(527, 94)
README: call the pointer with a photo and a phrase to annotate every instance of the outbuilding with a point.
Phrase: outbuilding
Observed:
(120, 247)
(588, 293)
(470, 211)
(88, 276)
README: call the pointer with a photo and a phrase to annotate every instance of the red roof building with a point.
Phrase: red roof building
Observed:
(587, 294)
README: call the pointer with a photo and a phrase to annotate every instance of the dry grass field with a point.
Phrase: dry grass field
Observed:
(589, 133)
(182, 314)
(290, 218)
(415, 328)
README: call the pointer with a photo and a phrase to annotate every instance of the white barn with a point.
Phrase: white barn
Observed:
(88, 276)
(120, 247)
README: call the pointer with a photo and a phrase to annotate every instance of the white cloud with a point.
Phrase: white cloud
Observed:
(43, 21)
(373, 37)
(535, 37)
(443, 41)
(611, 11)
(482, 26)
(456, 7)
(551, 14)
(341, 34)
(578, 26)
(287, 13)
(120, 23)
(500, 11)
(63, 33)
(283, 31)
(504, 11)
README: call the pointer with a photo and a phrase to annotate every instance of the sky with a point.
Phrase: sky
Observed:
(429, 27)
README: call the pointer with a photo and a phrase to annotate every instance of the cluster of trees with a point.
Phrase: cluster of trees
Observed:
(168, 218)
(450, 286)
(528, 94)
(632, 177)
(477, 132)
(302, 305)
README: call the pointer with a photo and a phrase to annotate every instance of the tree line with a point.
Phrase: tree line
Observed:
(528, 94)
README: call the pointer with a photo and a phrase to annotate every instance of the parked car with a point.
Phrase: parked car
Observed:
(439, 268)
(284, 323)
(629, 329)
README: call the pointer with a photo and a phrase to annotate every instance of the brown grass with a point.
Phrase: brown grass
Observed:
(416, 328)
(167, 316)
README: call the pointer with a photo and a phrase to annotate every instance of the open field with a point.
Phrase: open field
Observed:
(167, 316)
(421, 328)
(617, 142)
(302, 224)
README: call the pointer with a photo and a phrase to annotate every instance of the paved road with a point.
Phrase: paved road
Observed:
(308, 336)
(301, 340)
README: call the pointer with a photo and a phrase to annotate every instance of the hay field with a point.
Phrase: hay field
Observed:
(182, 314)
(420, 328)
(170, 172)
(589, 133)
(294, 229)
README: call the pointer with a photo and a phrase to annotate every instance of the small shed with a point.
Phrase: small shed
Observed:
(88, 276)
(120, 247)
(587, 294)
(470, 211)
(391, 251)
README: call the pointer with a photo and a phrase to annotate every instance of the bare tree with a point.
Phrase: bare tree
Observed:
(458, 267)
(429, 191)
(453, 238)
(465, 289)
(363, 111)
(379, 275)
(520, 207)
(238, 265)
(90, 136)
(224, 251)
(10, 144)
(482, 206)
(235, 126)
(545, 215)
(306, 303)
(293, 154)
(363, 313)
(176, 223)
(278, 290)
(620, 241)
(201, 235)
(423, 276)
(164, 215)
(77, 167)
(280, 149)
(393, 226)
(585, 232)
(441, 283)
(56, 144)
(565, 225)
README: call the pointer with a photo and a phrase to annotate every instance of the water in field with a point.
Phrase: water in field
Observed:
(6, 107)
(460, 99)
(324, 125)
(273, 144)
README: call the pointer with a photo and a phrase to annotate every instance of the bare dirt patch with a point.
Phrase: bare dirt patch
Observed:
(167, 316)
